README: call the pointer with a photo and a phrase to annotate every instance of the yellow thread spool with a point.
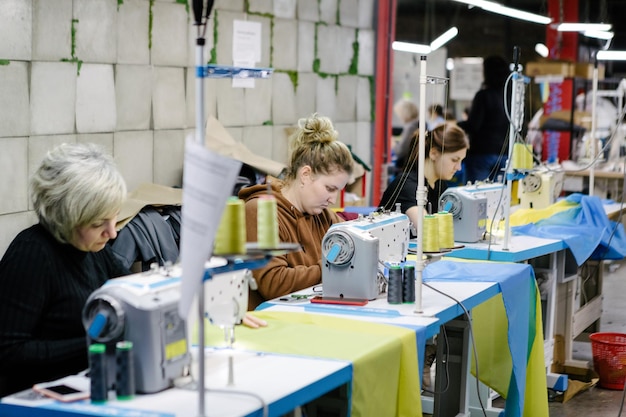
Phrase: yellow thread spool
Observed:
(446, 230)
(231, 232)
(430, 240)
(522, 156)
(267, 222)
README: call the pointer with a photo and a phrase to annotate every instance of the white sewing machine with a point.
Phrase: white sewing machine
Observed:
(143, 309)
(541, 188)
(354, 254)
(473, 207)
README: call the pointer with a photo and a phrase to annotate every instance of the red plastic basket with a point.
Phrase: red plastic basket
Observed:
(609, 358)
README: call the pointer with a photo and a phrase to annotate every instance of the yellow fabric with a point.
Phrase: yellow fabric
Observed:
(527, 216)
(495, 364)
(490, 327)
(384, 357)
(536, 401)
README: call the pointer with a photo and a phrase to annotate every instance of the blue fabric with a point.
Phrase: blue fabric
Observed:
(516, 282)
(585, 229)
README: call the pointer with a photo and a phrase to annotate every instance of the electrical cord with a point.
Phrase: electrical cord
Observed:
(471, 334)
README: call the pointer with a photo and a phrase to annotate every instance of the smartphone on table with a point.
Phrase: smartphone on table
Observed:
(339, 300)
(61, 391)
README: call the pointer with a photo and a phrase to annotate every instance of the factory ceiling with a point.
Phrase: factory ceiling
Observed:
(483, 33)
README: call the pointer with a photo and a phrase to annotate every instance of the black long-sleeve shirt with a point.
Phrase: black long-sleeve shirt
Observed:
(487, 125)
(403, 190)
(43, 287)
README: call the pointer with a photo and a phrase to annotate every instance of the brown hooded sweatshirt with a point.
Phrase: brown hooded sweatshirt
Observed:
(296, 270)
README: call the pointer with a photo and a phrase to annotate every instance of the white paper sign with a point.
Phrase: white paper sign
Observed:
(246, 49)
(246, 41)
(208, 179)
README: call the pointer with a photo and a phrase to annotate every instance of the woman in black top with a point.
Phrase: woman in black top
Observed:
(446, 147)
(50, 269)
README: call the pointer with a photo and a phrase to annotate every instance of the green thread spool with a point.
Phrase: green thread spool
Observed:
(267, 222)
(430, 240)
(231, 232)
(446, 230)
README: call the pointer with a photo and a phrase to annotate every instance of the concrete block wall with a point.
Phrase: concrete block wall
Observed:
(121, 73)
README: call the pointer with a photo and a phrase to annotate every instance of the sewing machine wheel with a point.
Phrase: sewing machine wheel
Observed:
(531, 183)
(455, 201)
(337, 248)
(112, 314)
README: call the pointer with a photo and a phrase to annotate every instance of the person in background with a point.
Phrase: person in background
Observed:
(436, 116)
(487, 124)
(446, 147)
(408, 114)
(50, 268)
(320, 166)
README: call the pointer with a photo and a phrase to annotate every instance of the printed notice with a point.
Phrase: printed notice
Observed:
(246, 49)
(208, 179)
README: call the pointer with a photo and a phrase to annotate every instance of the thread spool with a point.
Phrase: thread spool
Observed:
(267, 222)
(394, 285)
(445, 224)
(408, 284)
(231, 232)
(522, 156)
(98, 373)
(124, 370)
(430, 240)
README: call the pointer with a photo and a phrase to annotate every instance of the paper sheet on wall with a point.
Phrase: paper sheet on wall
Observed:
(246, 49)
(208, 179)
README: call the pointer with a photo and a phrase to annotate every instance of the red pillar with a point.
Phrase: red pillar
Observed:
(385, 35)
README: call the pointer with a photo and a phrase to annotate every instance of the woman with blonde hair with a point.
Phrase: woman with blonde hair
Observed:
(319, 169)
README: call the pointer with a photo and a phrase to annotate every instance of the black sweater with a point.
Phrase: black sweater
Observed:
(403, 190)
(43, 287)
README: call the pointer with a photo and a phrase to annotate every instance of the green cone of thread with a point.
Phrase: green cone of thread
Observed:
(267, 222)
(231, 232)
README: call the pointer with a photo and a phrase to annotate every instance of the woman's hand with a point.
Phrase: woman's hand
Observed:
(253, 322)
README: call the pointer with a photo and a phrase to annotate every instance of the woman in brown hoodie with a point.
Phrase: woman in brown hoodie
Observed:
(319, 168)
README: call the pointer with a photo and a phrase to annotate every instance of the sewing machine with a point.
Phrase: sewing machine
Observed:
(540, 188)
(469, 206)
(354, 254)
(143, 309)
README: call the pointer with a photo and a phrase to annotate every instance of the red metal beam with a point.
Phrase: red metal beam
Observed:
(385, 35)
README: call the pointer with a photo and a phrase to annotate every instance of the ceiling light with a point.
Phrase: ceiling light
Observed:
(599, 34)
(542, 50)
(581, 27)
(611, 56)
(444, 38)
(494, 7)
(415, 48)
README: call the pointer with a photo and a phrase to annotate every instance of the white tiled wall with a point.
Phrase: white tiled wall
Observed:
(122, 74)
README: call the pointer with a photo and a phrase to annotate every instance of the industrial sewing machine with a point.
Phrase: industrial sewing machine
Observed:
(354, 254)
(541, 188)
(473, 207)
(143, 309)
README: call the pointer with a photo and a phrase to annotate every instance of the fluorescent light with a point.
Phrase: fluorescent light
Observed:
(542, 50)
(415, 48)
(444, 38)
(599, 34)
(494, 7)
(611, 56)
(581, 27)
